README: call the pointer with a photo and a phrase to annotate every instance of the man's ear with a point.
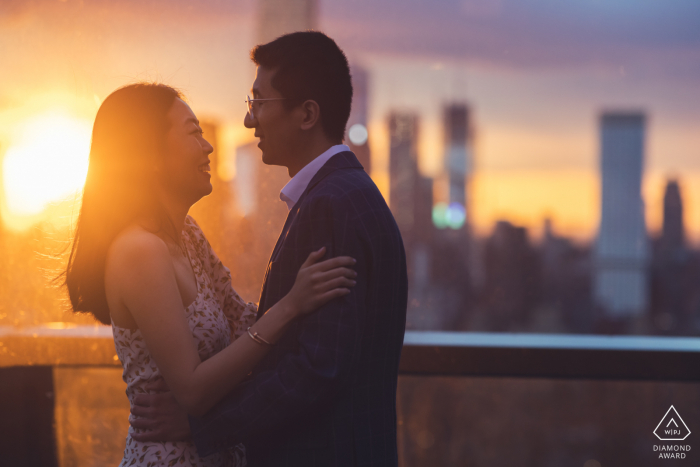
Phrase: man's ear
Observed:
(310, 113)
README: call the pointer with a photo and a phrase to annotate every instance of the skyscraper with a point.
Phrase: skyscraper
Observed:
(622, 247)
(403, 170)
(458, 152)
(357, 136)
(673, 235)
(513, 281)
(673, 274)
(410, 195)
(410, 199)
(278, 17)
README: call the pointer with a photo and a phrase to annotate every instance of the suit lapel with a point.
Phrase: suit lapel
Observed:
(273, 256)
(287, 224)
(342, 160)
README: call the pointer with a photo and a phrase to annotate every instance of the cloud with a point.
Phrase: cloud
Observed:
(644, 37)
(526, 33)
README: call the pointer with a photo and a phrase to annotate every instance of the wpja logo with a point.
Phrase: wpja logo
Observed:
(672, 428)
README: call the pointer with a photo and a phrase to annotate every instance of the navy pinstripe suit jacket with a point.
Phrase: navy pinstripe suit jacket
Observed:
(326, 394)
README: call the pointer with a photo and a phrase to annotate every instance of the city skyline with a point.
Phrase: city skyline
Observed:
(445, 135)
(535, 115)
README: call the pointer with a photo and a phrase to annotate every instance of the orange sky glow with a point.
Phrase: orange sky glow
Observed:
(536, 146)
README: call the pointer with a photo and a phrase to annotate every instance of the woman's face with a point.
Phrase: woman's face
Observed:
(186, 162)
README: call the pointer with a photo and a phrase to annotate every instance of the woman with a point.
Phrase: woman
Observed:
(139, 262)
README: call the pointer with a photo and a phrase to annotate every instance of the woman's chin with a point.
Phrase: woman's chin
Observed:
(201, 191)
(205, 182)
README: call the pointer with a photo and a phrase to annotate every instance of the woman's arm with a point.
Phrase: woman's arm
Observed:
(147, 286)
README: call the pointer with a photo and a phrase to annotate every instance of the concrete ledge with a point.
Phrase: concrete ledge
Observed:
(644, 358)
(57, 344)
(427, 353)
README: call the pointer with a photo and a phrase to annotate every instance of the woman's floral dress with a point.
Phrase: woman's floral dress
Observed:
(217, 316)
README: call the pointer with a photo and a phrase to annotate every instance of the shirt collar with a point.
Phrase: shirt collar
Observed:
(293, 190)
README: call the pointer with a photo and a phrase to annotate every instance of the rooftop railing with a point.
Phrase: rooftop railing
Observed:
(54, 357)
(650, 358)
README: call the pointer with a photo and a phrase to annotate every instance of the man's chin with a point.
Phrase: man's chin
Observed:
(269, 159)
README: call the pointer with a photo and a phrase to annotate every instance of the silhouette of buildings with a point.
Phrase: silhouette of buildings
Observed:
(622, 249)
(410, 196)
(675, 271)
(435, 235)
(566, 280)
(513, 280)
(403, 171)
(617, 278)
(433, 302)
(673, 232)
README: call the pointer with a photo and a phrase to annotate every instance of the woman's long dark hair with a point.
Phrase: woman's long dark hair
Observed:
(127, 147)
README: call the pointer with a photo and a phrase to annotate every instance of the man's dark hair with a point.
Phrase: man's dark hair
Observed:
(310, 66)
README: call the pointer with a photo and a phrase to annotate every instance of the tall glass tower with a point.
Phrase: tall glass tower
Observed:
(621, 287)
(458, 153)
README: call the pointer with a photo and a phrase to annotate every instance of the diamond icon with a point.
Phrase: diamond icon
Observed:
(672, 427)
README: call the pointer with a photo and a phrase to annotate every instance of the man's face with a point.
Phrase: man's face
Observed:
(274, 125)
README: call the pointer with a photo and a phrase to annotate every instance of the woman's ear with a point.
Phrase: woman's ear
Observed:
(311, 113)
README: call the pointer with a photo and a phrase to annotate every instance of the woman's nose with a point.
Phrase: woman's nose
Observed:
(207, 147)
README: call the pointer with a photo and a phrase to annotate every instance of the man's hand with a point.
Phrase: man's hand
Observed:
(158, 417)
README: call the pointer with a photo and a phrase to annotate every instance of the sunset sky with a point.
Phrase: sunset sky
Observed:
(537, 73)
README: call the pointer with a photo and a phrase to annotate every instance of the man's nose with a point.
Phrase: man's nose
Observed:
(248, 121)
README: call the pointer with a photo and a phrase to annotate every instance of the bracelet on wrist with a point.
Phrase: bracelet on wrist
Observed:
(257, 338)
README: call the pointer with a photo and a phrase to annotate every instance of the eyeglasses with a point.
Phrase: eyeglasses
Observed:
(249, 103)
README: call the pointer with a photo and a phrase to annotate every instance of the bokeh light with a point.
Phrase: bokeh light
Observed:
(358, 134)
(456, 216)
(440, 215)
(452, 216)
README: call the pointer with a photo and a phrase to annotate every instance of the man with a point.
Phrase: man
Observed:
(325, 395)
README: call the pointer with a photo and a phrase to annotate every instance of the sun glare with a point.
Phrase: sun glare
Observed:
(46, 163)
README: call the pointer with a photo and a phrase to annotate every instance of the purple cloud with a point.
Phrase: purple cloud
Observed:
(646, 34)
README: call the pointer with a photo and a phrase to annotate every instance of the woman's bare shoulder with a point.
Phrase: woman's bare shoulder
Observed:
(135, 243)
(131, 254)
